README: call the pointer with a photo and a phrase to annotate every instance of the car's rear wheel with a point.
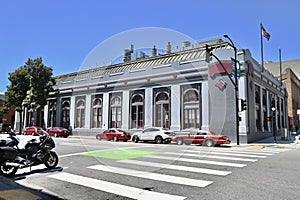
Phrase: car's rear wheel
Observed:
(158, 140)
(209, 143)
(98, 137)
(55, 134)
(135, 139)
(115, 138)
(179, 141)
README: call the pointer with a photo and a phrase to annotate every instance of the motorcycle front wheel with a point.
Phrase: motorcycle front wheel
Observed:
(52, 160)
(8, 171)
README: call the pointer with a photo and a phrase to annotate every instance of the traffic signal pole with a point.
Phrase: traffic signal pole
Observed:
(234, 82)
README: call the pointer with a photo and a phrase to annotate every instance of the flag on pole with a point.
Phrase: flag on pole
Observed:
(265, 33)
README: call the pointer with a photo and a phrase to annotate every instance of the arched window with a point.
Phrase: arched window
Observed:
(264, 107)
(191, 113)
(278, 113)
(65, 114)
(258, 108)
(97, 113)
(137, 111)
(162, 118)
(283, 124)
(80, 113)
(52, 114)
(116, 112)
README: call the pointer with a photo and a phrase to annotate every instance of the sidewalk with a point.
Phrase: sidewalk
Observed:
(10, 190)
(281, 143)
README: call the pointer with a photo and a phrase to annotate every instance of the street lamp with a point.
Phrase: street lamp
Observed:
(235, 82)
(236, 89)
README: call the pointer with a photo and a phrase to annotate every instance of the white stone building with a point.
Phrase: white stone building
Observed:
(178, 90)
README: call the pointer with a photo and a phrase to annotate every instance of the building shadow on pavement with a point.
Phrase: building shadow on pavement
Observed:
(11, 190)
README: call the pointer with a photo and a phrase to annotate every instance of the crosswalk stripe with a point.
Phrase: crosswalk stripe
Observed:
(114, 188)
(248, 152)
(263, 150)
(177, 167)
(224, 153)
(198, 161)
(211, 156)
(153, 176)
(239, 151)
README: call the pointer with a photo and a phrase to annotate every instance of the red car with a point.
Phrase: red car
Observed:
(58, 132)
(203, 137)
(113, 134)
(32, 130)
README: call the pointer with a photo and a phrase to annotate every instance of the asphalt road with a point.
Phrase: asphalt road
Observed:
(91, 169)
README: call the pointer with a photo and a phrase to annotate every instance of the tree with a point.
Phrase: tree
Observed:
(17, 90)
(30, 87)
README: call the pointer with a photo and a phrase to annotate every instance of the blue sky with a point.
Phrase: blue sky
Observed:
(64, 32)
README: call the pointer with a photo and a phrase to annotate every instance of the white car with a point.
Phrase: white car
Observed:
(157, 134)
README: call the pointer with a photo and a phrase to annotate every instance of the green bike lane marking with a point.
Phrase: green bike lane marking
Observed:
(120, 154)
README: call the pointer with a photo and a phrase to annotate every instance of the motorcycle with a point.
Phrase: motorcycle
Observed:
(34, 153)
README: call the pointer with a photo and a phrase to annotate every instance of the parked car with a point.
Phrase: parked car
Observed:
(203, 137)
(32, 130)
(58, 132)
(114, 134)
(157, 134)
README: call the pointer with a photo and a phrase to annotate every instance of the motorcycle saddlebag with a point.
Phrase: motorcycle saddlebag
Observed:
(8, 153)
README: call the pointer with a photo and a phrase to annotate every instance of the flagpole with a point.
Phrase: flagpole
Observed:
(261, 48)
(280, 67)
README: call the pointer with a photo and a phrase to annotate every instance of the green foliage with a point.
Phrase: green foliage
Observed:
(30, 86)
(41, 83)
(16, 91)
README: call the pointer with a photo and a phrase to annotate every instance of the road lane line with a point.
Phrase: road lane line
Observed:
(223, 153)
(177, 167)
(209, 162)
(152, 176)
(114, 188)
(210, 156)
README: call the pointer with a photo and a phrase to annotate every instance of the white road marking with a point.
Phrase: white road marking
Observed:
(249, 149)
(210, 156)
(239, 151)
(114, 188)
(152, 176)
(198, 161)
(177, 167)
(224, 153)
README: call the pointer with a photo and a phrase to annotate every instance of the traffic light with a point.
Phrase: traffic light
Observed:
(243, 104)
(273, 108)
(235, 63)
(208, 57)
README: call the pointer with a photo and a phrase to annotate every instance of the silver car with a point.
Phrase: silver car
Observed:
(156, 134)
